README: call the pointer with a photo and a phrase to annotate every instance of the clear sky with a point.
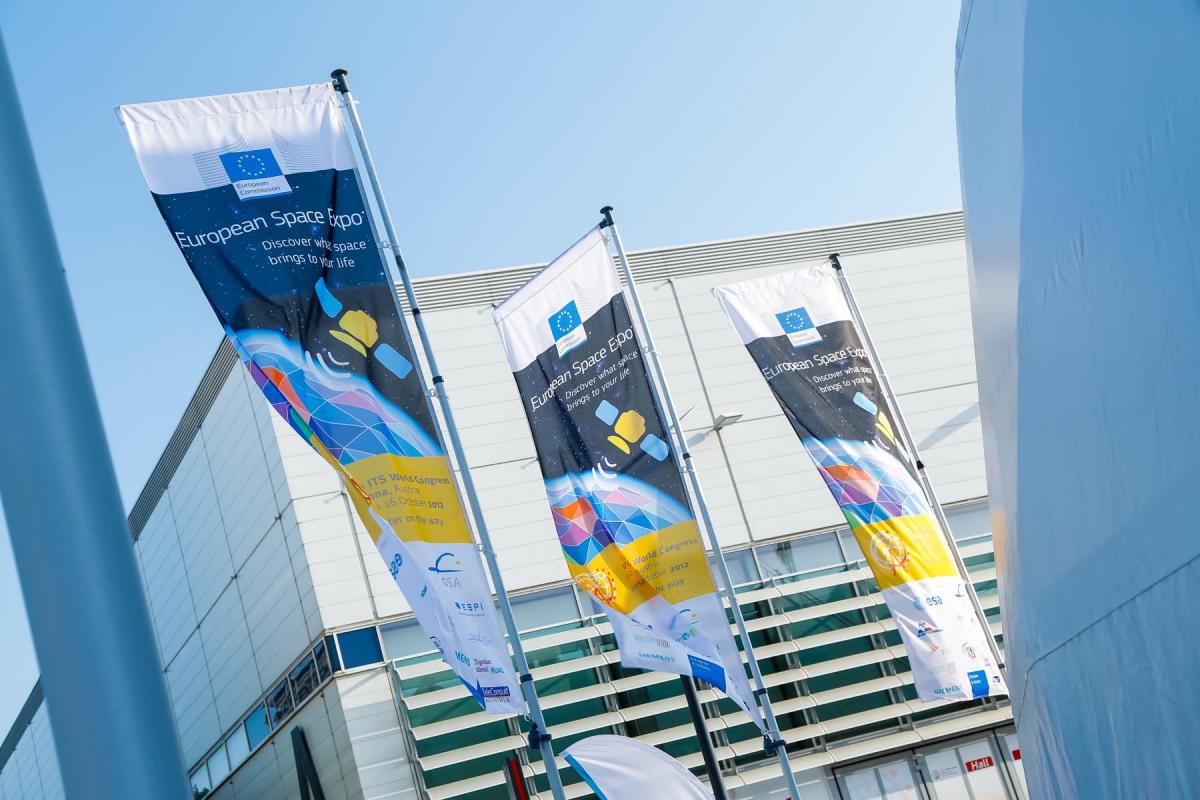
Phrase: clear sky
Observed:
(499, 129)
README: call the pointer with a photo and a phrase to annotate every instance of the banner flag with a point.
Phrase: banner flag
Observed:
(801, 335)
(261, 194)
(616, 767)
(617, 499)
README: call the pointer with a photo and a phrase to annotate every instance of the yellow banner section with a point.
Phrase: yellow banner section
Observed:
(670, 563)
(415, 494)
(905, 549)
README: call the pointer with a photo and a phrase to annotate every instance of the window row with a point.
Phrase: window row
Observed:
(563, 607)
(301, 681)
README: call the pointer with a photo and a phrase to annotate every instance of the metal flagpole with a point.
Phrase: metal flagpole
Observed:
(773, 742)
(103, 680)
(539, 736)
(715, 782)
(906, 435)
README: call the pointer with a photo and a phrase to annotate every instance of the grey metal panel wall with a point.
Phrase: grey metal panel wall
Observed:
(492, 286)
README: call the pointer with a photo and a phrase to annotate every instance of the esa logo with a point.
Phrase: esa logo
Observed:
(396, 563)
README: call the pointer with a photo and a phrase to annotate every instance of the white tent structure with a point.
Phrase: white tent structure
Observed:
(1079, 136)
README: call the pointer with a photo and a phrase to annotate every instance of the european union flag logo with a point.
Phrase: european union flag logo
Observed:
(255, 173)
(566, 326)
(795, 320)
(798, 326)
(565, 321)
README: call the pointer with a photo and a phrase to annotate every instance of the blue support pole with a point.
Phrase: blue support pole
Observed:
(101, 672)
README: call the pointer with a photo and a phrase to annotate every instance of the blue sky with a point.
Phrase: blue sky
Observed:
(499, 130)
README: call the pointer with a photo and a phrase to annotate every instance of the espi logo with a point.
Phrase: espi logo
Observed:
(469, 609)
(255, 174)
(798, 326)
(566, 326)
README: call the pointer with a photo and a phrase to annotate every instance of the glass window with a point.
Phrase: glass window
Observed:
(360, 648)
(850, 549)
(593, 608)
(279, 703)
(257, 727)
(797, 556)
(741, 567)
(321, 656)
(331, 649)
(970, 522)
(541, 609)
(238, 747)
(218, 765)
(403, 639)
(304, 678)
(200, 784)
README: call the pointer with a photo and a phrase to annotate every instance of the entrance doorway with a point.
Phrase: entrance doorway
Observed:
(980, 767)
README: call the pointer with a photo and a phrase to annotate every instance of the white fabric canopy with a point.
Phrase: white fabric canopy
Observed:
(616, 767)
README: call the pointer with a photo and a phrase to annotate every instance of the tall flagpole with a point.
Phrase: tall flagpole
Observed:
(539, 736)
(911, 445)
(773, 742)
(715, 781)
(103, 681)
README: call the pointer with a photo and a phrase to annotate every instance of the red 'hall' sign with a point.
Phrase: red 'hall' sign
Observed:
(980, 763)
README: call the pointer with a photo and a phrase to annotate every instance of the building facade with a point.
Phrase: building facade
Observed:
(274, 614)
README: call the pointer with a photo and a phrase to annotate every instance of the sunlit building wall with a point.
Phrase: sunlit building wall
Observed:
(273, 611)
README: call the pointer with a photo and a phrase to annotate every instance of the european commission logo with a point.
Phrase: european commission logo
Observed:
(255, 174)
(567, 328)
(798, 326)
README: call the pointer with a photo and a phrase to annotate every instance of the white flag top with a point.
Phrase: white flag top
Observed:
(616, 496)
(261, 195)
(619, 768)
(800, 332)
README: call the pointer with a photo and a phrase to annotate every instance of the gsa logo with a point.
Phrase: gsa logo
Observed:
(566, 325)
(446, 562)
(255, 174)
(446, 567)
(798, 326)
